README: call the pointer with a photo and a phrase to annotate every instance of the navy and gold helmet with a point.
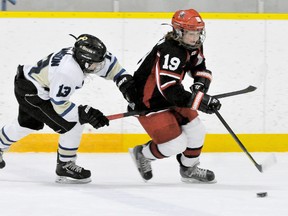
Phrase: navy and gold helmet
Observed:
(89, 52)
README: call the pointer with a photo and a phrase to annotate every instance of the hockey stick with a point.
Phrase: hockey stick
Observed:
(243, 91)
(135, 113)
(261, 167)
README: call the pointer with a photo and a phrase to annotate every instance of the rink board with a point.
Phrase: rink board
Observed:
(139, 15)
(110, 142)
(113, 143)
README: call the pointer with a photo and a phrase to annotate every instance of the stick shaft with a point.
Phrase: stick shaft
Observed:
(135, 113)
(258, 166)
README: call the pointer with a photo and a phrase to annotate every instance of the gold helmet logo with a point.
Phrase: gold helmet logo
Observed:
(83, 38)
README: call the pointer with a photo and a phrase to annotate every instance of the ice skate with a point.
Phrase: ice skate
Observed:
(196, 175)
(2, 162)
(143, 164)
(70, 173)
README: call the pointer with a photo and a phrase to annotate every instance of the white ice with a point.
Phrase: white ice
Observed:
(27, 187)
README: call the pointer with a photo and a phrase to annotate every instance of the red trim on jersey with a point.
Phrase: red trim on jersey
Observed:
(168, 84)
(197, 100)
(204, 75)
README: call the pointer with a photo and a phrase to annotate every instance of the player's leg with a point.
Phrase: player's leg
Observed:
(70, 136)
(189, 159)
(167, 140)
(9, 134)
(16, 130)
(42, 111)
(33, 113)
(26, 123)
(67, 171)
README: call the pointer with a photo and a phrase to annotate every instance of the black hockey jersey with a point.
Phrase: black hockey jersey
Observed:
(160, 74)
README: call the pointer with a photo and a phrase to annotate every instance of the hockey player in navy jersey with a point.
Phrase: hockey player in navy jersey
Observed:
(43, 92)
(158, 82)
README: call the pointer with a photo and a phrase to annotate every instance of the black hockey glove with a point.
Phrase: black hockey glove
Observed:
(126, 85)
(209, 103)
(92, 116)
(198, 86)
(205, 102)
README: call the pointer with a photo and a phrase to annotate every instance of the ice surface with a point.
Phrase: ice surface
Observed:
(28, 188)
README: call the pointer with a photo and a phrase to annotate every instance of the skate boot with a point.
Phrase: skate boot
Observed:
(70, 173)
(2, 162)
(143, 164)
(196, 175)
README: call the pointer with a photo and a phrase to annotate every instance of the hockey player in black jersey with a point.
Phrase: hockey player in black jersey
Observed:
(43, 93)
(158, 84)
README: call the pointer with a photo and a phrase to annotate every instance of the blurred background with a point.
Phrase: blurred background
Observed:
(241, 6)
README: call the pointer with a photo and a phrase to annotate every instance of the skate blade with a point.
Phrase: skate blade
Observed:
(195, 181)
(134, 160)
(68, 180)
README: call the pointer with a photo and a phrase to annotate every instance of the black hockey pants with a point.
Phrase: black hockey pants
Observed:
(34, 112)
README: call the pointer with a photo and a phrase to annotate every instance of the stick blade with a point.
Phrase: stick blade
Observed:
(269, 162)
(251, 88)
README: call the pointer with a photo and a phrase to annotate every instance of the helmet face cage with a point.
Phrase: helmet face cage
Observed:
(90, 52)
(179, 35)
(93, 67)
(189, 20)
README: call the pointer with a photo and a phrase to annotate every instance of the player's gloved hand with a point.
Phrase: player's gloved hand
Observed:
(127, 86)
(92, 116)
(204, 102)
(209, 103)
(198, 86)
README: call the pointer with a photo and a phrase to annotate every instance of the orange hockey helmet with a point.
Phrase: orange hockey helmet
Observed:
(189, 20)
